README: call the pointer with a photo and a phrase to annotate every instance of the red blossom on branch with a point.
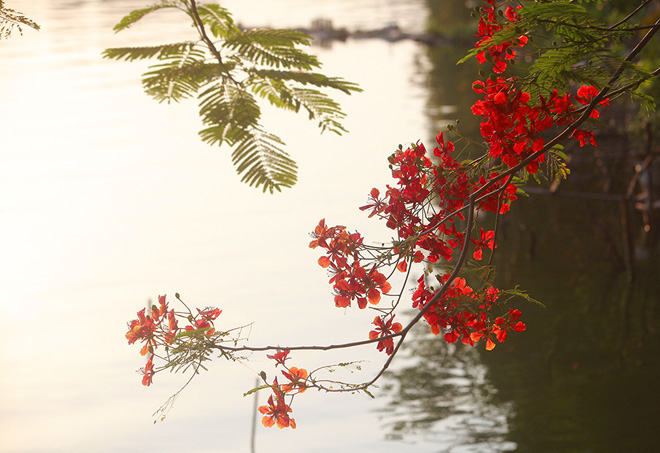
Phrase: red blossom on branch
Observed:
(280, 357)
(297, 378)
(277, 411)
(487, 241)
(385, 328)
(148, 372)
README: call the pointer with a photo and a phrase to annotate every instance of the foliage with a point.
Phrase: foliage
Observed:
(444, 212)
(11, 20)
(229, 69)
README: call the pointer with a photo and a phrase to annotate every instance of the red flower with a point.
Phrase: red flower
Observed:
(210, 314)
(376, 205)
(297, 376)
(383, 329)
(172, 322)
(586, 93)
(205, 321)
(487, 241)
(280, 357)
(477, 336)
(143, 328)
(584, 136)
(148, 372)
(510, 323)
(277, 411)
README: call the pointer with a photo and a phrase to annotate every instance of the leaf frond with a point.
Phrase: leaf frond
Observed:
(135, 15)
(218, 19)
(141, 53)
(11, 19)
(274, 48)
(180, 77)
(311, 78)
(231, 108)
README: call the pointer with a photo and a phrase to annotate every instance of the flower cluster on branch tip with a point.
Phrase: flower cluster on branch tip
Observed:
(160, 327)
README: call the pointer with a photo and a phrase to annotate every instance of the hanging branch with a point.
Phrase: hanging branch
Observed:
(424, 207)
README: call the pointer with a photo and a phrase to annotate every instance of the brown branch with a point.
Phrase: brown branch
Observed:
(199, 24)
(635, 11)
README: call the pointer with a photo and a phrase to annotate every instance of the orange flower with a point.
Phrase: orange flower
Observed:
(383, 329)
(148, 372)
(279, 357)
(277, 411)
(143, 328)
(297, 376)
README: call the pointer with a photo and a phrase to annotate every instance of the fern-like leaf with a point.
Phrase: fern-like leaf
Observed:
(141, 53)
(320, 107)
(11, 19)
(261, 160)
(181, 76)
(135, 15)
(218, 20)
(274, 48)
(311, 78)
(228, 75)
(233, 108)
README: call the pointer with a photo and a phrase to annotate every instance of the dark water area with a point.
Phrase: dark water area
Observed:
(585, 375)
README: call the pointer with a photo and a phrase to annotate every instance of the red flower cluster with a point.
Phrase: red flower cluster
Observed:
(161, 327)
(350, 280)
(277, 410)
(146, 327)
(383, 329)
(422, 208)
(488, 25)
(466, 314)
(511, 126)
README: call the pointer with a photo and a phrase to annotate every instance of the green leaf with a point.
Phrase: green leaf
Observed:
(321, 107)
(229, 107)
(11, 19)
(180, 77)
(228, 75)
(218, 19)
(555, 11)
(141, 53)
(311, 78)
(273, 48)
(138, 14)
(263, 163)
(192, 333)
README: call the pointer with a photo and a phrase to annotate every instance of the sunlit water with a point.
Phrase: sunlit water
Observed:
(108, 199)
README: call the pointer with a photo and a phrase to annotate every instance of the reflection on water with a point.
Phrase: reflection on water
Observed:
(583, 377)
(441, 394)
